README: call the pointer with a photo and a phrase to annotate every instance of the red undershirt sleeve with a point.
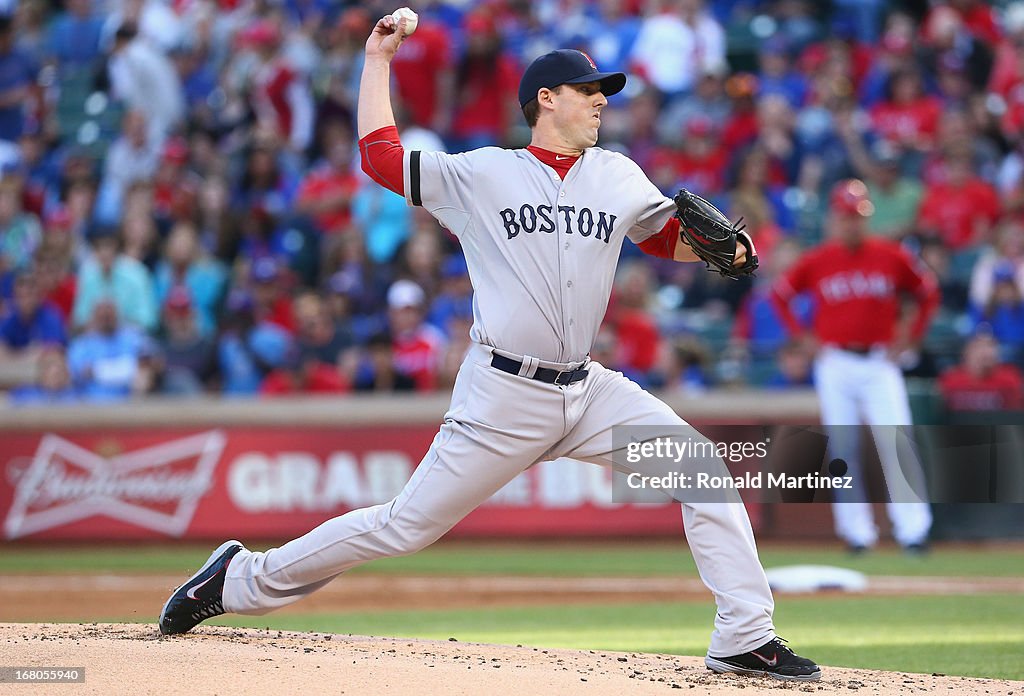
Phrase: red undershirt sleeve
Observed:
(663, 244)
(381, 154)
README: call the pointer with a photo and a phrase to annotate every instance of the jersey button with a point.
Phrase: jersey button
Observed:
(562, 194)
(569, 284)
(567, 245)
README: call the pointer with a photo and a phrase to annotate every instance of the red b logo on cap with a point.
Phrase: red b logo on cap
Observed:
(589, 60)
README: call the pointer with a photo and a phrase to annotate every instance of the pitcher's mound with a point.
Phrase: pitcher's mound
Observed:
(134, 658)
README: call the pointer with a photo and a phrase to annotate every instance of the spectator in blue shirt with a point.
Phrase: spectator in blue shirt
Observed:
(248, 350)
(456, 297)
(793, 369)
(105, 361)
(17, 74)
(186, 265)
(1004, 312)
(52, 385)
(31, 323)
(74, 40)
(20, 232)
(778, 76)
(612, 35)
(110, 274)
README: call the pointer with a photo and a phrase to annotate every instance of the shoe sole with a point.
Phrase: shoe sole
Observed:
(720, 667)
(218, 552)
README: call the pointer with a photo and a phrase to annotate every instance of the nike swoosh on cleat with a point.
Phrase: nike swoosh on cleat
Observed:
(190, 593)
(771, 663)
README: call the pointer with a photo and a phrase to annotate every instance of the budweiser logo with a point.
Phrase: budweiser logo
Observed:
(157, 487)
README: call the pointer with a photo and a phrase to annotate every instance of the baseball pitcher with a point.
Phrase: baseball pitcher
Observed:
(541, 229)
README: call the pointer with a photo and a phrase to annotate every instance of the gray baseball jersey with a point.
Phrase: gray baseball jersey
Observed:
(541, 251)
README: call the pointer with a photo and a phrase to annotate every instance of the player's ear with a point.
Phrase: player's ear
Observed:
(545, 97)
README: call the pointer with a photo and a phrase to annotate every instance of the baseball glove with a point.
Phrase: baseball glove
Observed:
(712, 236)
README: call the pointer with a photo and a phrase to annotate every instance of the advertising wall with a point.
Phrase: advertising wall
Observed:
(265, 482)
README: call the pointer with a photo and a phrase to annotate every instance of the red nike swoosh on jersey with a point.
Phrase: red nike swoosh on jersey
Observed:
(771, 663)
(190, 593)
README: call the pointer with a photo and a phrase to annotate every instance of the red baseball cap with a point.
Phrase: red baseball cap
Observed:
(262, 32)
(850, 197)
(699, 127)
(58, 219)
(480, 23)
(178, 300)
(176, 150)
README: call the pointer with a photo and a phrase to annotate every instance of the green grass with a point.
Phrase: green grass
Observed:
(971, 635)
(524, 559)
(975, 635)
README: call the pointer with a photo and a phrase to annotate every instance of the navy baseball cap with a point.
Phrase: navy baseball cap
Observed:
(566, 67)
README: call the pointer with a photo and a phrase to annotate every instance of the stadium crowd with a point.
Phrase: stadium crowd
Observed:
(182, 211)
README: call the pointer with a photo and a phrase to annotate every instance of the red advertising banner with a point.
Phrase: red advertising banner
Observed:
(273, 483)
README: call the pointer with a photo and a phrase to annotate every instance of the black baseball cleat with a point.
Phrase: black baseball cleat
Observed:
(201, 597)
(857, 549)
(916, 550)
(773, 658)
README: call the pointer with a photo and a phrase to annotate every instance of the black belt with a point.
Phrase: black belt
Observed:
(542, 374)
(858, 349)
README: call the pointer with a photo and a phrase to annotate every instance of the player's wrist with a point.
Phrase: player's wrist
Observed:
(377, 61)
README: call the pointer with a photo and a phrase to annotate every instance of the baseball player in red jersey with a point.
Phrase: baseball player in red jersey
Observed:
(857, 283)
(541, 229)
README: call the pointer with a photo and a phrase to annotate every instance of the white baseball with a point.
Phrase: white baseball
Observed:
(411, 19)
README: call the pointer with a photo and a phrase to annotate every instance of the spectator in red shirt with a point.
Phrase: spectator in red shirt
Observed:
(487, 79)
(741, 127)
(960, 210)
(695, 160)
(424, 76)
(54, 261)
(980, 382)
(702, 163)
(418, 347)
(840, 53)
(57, 282)
(326, 192)
(638, 339)
(304, 377)
(907, 116)
(175, 188)
(1008, 62)
(960, 134)
(377, 372)
(280, 94)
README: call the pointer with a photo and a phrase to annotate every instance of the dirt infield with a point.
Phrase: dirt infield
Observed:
(83, 597)
(130, 658)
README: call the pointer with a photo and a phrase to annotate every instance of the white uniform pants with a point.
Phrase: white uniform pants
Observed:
(498, 426)
(869, 389)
